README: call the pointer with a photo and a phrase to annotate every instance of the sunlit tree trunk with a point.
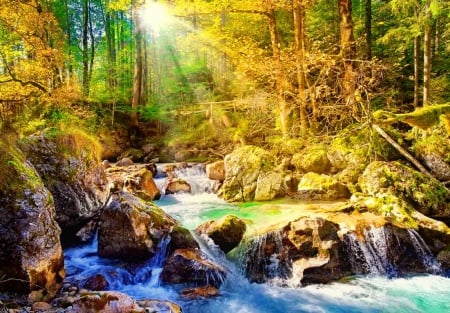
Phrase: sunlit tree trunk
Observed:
(368, 29)
(299, 29)
(285, 110)
(348, 52)
(426, 60)
(138, 79)
(85, 43)
(416, 70)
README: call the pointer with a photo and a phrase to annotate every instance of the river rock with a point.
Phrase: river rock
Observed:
(135, 179)
(105, 302)
(216, 170)
(314, 186)
(159, 306)
(226, 232)
(176, 185)
(433, 148)
(426, 194)
(242, 168)
(312, 159)
(97, 282)
(31, 257)
(192, 266)
(130, 228)
(199, 292)
(70, 167)
(269, 185)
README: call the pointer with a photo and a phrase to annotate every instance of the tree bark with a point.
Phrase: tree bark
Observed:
(285, 110)
(368, 29)
(348, 52)
(85, 43)
(299, 30)
(426, 62)
(138, 70)
(416, 71)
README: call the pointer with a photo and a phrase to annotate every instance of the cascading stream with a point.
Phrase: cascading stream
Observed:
(371, 255)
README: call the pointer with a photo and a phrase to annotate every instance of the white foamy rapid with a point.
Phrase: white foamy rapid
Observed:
(374, 293)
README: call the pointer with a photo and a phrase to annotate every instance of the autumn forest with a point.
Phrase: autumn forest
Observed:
(287, 68)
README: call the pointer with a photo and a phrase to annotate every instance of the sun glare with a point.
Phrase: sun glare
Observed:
(154, 16)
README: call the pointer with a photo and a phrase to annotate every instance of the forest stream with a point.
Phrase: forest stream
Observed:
(375, 292)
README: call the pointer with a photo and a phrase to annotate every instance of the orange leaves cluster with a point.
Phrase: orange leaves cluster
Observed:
(30, 43)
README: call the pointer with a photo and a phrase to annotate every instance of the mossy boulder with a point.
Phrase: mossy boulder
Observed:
(192, 266)
(226, 232)
(354, 148)
(426, 194)
(313, 186)
(312, 159)
(433, 150)
(130, 228)
(31, 257)
(68, 161)
(269, 185)
(243, 167)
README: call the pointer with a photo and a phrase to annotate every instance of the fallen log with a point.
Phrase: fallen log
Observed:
(402, 151)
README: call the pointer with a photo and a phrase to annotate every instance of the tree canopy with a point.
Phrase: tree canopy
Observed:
(300, 66)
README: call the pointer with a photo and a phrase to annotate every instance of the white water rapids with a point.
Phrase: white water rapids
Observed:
(372, 293)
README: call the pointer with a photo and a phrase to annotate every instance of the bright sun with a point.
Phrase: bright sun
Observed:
(154, 16)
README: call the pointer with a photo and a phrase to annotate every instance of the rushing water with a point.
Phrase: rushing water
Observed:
(373, 293)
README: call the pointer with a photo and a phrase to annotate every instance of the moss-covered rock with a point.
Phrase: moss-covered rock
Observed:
(243, 167)
(130, 228)
(314, 186)
(424, 193)
(312, 159)
(31, 257)
(226, 232)
(354, 148)
(433, 149)
(68, 161)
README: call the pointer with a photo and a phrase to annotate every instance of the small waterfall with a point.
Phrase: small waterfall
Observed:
(429, 261)
(150, 273)
(194, 175)
(262, 259)
(369, 255)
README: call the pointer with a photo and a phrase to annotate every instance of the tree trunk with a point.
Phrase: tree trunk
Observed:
(85, 43)
(426, 63)
(348, 52)
(285, 110)
(416, 70)
(299, 29)
(138, 71)
(368, 29)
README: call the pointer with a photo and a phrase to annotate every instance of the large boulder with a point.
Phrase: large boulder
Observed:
(311, 250)
(314, 186)
(353, 149)
(105, 301)
(69, 164)
(176, 185)
(269, 185)
(285, 253)
(31, 257)
(192, 266)
(312, 159)
(433, 150)
(243, 167)
(226, 232)
(135, 179)
(426, 194)
(130, 228)
(216, 170)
